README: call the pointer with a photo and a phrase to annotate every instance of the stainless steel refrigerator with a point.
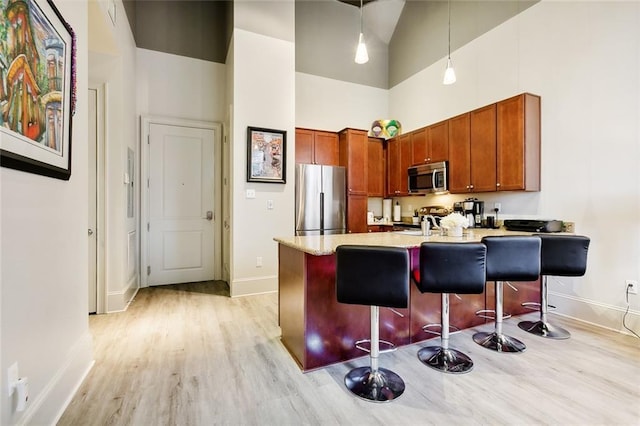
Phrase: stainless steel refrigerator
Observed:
(320, 199)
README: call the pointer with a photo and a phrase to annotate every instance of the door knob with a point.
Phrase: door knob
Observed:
(209, 215)
(90, 231)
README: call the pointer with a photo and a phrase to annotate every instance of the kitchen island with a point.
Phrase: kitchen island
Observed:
(319, 331)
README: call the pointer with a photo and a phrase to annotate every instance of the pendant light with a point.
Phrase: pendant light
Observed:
(449, 73)
(362, 57)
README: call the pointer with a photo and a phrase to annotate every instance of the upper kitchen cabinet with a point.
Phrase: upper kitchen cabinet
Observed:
(483, 149)
(354, 156)
(431, 144)
(518, 146)
(399, 158)
(459, 154)
(472, 151)
(317, 147)
(375, 186)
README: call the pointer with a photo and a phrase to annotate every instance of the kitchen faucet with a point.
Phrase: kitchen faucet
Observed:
(434, 223)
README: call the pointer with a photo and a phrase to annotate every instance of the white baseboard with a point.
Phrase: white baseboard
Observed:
(118, 301)
(47, 407)
(596, 313)
(256, 285)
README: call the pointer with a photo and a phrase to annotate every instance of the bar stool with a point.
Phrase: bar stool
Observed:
(562, 256)
(509, 258)
(450, 268)
(373, 276)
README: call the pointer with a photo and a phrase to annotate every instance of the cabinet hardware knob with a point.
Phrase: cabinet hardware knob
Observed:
(497, 184)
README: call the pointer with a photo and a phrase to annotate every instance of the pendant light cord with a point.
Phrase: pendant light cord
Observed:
(361, 16)
(449, 52)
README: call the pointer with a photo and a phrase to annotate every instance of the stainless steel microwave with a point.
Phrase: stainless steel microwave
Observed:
(428, 178)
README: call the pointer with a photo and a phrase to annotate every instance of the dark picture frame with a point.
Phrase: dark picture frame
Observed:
(266, 155)
(37, 88)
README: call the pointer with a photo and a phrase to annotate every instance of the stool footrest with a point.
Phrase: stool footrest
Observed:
(482, 314)
(452, 329)
(391, 346)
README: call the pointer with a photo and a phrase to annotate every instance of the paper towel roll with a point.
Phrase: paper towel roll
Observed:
(396, 213)
(386, 210)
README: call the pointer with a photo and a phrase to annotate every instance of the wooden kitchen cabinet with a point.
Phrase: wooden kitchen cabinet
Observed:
(472, 166)
(518, 143)
(430, 144)
(460, 154)
(376, 169)
(357, 213)
(483, 149)
(317, 147)
(399, 158)
(354, 156)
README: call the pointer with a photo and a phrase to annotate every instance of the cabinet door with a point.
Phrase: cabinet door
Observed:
(304, 146)
(438, 137)
(326, 148)
(357, 213)
(518, 143)
(419, 147)
(393, 167)
(459, 154)
(375, 186)
(483, 149)
(405, 163)
(354, 155)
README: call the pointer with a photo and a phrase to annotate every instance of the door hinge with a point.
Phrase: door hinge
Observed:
(148, 226)
(148, 270)
(148, 183)
(148, 139)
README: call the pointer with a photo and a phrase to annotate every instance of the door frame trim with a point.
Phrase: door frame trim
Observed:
(101, 191)
(145, 123)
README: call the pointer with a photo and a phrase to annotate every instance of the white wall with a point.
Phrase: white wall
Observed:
(263, 96)
(179, 87)
(583, 58)
(43, 278)
(327, 104)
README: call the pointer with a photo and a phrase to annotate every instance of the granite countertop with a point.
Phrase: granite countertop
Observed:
(320, 245)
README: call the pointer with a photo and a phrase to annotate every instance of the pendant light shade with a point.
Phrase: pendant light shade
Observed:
(449, 73)
(362, 57)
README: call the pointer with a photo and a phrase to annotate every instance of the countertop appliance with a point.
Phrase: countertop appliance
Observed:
(533, 225)
(320, 199)
(478, 213)
(428, 178)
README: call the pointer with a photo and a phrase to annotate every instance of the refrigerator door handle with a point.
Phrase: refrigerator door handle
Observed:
(322, 210)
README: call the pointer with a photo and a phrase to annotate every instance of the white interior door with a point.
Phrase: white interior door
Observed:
(181, 204)
(93, 201)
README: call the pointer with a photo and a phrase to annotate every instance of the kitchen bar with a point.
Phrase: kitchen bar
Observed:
(319, 331)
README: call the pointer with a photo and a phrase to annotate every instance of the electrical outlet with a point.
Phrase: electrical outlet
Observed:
(259, 262)
(631, 286)
(497, 207)
(569, 226)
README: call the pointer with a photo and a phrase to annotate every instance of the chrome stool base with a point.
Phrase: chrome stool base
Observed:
(379, 386)
(446, 360)
(544, 329)
(499, 342)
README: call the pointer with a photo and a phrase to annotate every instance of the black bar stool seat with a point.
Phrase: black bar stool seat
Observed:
(373, 276)
(509, 258)
(562, 256)
(450, 268)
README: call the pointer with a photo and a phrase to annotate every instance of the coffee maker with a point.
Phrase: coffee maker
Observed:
(469, 211)
(478, 213)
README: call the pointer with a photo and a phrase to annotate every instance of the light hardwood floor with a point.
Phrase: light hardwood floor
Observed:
(189, 355)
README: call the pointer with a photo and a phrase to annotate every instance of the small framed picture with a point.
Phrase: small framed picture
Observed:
(266, 155)
(37, 88)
